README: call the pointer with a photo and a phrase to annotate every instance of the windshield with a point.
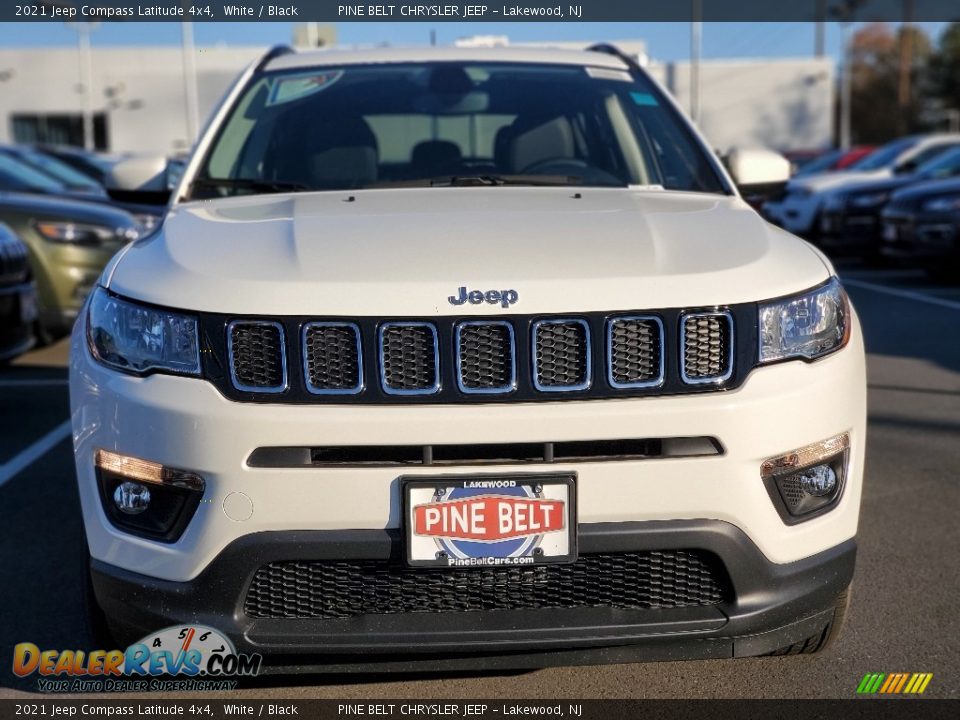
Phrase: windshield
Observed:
(14, 175)
(56, 169)
(885, 156)
(942, 166)
(452, 124)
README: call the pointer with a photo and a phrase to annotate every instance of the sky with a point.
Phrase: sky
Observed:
(665, 41)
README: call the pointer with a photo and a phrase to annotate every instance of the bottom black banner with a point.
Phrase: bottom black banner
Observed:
(892, 709)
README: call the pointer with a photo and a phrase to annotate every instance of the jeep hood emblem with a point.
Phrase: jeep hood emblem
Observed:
(505, 298)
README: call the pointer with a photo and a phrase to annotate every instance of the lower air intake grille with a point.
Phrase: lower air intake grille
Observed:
(332, 356)
(623, 580)
(706, 344)
(561, 355)
(408, 358)
(257, 356)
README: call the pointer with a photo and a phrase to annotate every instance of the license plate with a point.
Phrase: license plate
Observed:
(890, 232)
(489, 520)
(28, 306)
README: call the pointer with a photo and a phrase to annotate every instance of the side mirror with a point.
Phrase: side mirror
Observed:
(908, 167)
(753, 168)
(140, 180)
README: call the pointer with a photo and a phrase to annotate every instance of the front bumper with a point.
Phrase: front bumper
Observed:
(769, 606)
(841, 230)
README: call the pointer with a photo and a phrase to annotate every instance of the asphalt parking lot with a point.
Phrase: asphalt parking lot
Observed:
(903, 617)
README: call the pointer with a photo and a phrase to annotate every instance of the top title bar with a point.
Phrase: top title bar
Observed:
(481, 10)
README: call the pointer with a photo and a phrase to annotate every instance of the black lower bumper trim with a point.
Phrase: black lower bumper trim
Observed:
(770, 606)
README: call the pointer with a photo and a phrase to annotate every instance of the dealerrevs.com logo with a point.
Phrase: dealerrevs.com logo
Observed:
(191, 657)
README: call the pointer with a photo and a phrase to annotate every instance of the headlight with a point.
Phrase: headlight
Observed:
(799, 193)
(943, 204)
(137, 339)
(871, 200)
(83, 233)
(805, 326)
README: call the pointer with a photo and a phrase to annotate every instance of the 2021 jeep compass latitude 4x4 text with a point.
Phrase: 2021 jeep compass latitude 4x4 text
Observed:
(468, 357)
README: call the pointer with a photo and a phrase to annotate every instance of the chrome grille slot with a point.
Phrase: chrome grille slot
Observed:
(258, 357)
(409, 359)
(706, 347)
(485, 357)
(561, 355)
(333, 359)
(635, 351)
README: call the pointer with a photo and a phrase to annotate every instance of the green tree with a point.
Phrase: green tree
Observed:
(944, 76)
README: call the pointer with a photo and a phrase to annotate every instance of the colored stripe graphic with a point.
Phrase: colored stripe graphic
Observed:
(894, 683)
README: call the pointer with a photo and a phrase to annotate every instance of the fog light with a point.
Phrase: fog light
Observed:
(131, 498)
(147, 498)
(808, 481)
(818, 481)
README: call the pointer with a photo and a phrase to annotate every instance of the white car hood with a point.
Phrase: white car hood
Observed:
(831, 181)
(403, 252)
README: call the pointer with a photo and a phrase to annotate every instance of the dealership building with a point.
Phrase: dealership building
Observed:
(139, 100)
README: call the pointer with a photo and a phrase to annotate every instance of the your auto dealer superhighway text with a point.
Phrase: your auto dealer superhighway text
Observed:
(457, 709)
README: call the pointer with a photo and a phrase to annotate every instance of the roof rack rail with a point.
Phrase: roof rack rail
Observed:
(608, 49)
(274, 52)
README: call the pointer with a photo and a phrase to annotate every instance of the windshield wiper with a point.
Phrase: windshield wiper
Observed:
(259, 186)
(481, 181)
(468, 180)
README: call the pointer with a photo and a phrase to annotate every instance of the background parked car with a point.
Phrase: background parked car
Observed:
(69, 244)
(921, 228)
(18, 300)
(832, 160)
(799, 209)
(851, 217)
(73, 180)
(18, 176)
(94, 165)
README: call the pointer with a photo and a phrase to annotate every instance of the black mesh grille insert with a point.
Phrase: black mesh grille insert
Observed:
(332, 357)
(257, 356)
(409, 358)
(623, 580)
(562, 352)
(706, 347)
(635, 351)
(485, 355)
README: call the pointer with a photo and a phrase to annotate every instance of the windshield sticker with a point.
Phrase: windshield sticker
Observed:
(300, 86)
(644, 99)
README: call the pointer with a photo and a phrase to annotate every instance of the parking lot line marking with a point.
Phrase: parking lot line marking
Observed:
(907, 294)
(34, 452)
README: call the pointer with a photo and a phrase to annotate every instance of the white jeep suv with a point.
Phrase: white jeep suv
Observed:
(458, 357)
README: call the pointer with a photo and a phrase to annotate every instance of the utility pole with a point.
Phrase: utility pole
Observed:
(190, 81)
(906, 65)
(846, 88)
(696, 48)
(820, 41)
(86, 79)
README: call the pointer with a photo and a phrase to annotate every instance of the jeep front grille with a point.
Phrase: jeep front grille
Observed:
(561, 355)
(486, 357)
(706, 345)
(455, 359)
(258, 360)
(661, 579)
(635, 358)
(409, 362)
(333, 359)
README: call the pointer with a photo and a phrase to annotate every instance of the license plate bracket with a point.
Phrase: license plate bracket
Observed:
(484, 521)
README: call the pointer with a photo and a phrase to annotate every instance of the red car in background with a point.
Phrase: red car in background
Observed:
(807, 162)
